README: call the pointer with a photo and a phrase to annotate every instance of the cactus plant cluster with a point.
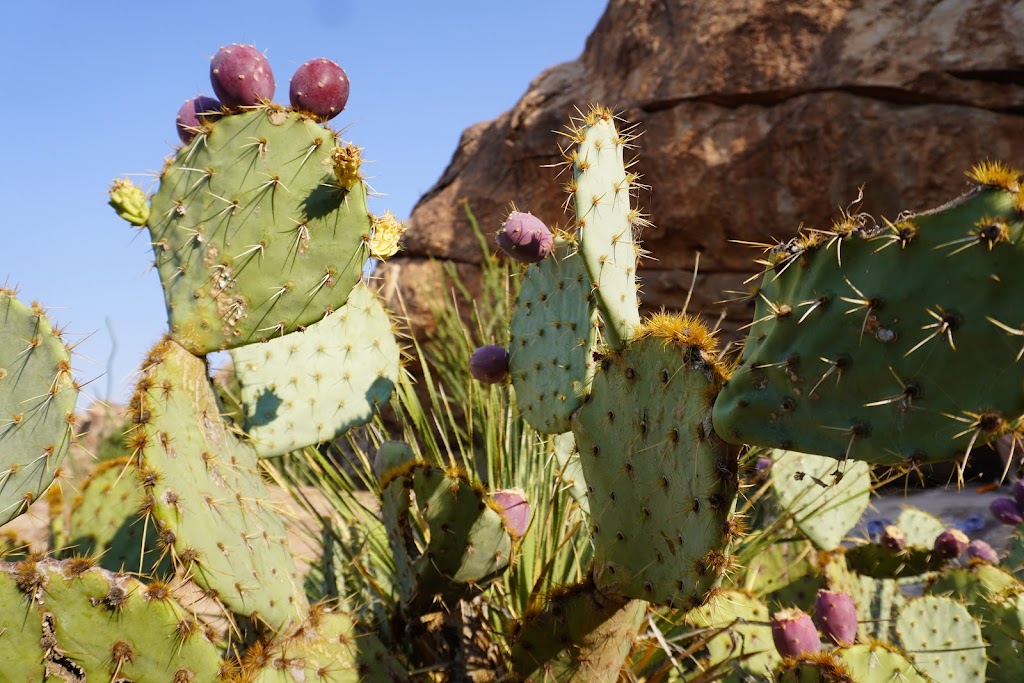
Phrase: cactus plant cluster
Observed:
(717, 499)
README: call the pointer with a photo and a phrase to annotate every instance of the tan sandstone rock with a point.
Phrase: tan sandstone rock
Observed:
(758, 116)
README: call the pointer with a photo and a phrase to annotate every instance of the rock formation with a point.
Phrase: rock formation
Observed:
(758, 116)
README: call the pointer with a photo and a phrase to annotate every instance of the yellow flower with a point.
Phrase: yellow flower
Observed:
(386, 232)
(346, 161)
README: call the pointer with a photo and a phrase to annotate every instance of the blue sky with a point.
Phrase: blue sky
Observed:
(91, 91)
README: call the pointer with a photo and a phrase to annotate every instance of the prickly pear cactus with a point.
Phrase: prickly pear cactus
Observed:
(92, 624)
(37, 403)
(662, 484)
(579, 635)
(601, 189)
(569, 471)
(745, 640)
(942, 639)
(204, 489)
(252, 233)
(551, 339)
(867, 338)
(826, 499)
(311, 386)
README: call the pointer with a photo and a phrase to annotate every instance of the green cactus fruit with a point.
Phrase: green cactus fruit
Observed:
(551, 339)
(37, 404)
(92, 624)
(826, 500)
(252, 235)
(204, 488)
(328, 647)
(130, 202)
(942, 639)
(579, 635)
(312, 386)
(743, 639)
(462, 544)
(994, 599)
(897, 344)
(662, 484)
(106, 522)
(569, 470)
(602, 190)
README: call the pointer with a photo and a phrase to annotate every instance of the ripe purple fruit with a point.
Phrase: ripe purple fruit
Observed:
(1007, 511)
(515, 509)
(980, 550)
(489, 364)
(794, 633)
(892, 538)
(836, 616)
(951, 544)
(320, 87)
(525, 238)
(194, 113)
(241, 76)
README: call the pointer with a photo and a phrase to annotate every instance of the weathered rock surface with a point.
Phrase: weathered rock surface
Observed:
(757, 116)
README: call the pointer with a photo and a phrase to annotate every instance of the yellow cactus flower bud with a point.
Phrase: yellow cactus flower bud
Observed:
(129, 201)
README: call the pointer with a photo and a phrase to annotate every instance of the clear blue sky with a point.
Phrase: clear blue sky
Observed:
(91, 91)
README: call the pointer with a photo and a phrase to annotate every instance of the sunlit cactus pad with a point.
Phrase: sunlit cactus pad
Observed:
(37, 403)
(215, 514)
(896, 343)
(942, 639)
(85, 623)
(579, 635)
(551, 339)
(745, 635)
(662, 484)
(327, 647)
(107, 522)
(825, 498)
(313, 385)
(252, 234)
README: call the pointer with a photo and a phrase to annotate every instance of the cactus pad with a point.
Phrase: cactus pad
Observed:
(926, 302)
(253, 238)
(311, 386)
(876, 662)
(204, 488)
(826, 500)
(942, 639)
(37, 404)
(569, 470)
(663, 485)
(745, 637)
(551, 339)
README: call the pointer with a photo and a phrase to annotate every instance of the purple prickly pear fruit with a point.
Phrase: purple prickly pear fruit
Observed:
(794, 633)
(525, 238)
(515, 509)
(1007, 511)
(762, 469)
(1018, 493)
(241, 76)
(892, 538)
(320, 87)
(980, 550)
(836, 616)
(193, 114)
(489, 364)
(951, 544)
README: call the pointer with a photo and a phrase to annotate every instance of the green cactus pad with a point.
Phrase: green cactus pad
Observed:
(895, 345)
(602, 191)
(919, 528)
(662, 484)
(37, 404)
(746, 636)
(106, 523)
(871, 559)
(102, 626)
(20, 647)
(823, 667)
(779, 565)
(312, 386)
(253, 238)
(551, 339)
(569, 470)
(206, 492)
(826, 500)
(942, 639)
(464, 541)
(580, 635)
(328, 647)
(878, 601)
(873, 662)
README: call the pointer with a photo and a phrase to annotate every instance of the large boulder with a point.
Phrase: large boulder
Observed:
(758, 116)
